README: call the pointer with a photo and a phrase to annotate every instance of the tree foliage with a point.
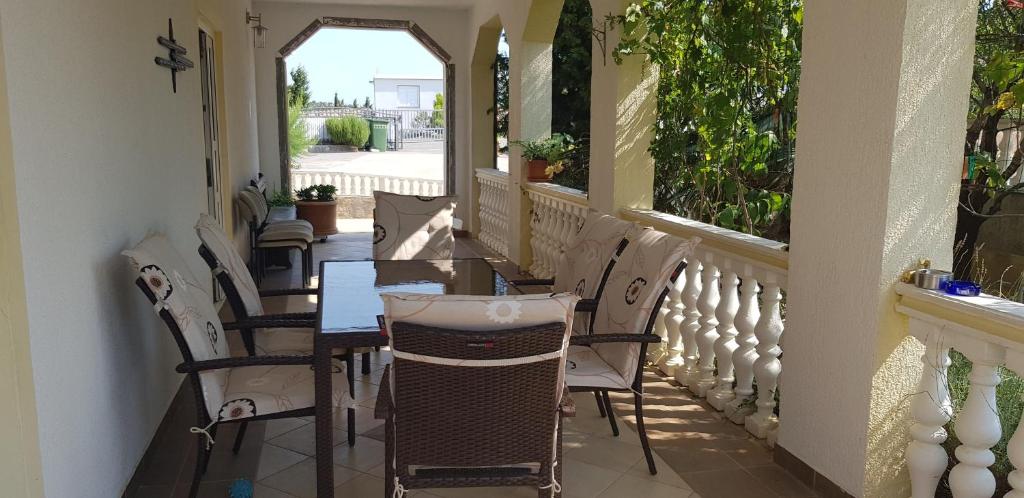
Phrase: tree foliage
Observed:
(724, 139)
(298, 91)
(500, 108)
(298, 141)
(437, 117)
(570, 80)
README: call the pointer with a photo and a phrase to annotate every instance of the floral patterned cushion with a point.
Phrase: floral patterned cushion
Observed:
(480, 313)
(262, 390)
(632, 292)
(586, 256)
(176, 290)
(585, 367)
(214, 238)
(412, 227)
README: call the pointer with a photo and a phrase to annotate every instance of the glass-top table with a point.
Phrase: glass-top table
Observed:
(347, 308)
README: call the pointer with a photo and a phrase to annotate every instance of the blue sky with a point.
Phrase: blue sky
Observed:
(344, 60)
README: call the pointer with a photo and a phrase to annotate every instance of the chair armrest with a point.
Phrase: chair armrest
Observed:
(383, 408)
(266, 323)
(287, 292)
(301, 315)
(567, 406)
(532, 281)
(586, 306)
(598, 338)
(242, 361)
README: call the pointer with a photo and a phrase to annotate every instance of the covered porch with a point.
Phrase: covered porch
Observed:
(795, 369)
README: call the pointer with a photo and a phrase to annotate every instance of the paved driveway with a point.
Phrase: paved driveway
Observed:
(415, 160)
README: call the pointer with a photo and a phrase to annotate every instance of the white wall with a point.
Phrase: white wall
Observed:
(385, 92)
(449, 27)
(129, 160)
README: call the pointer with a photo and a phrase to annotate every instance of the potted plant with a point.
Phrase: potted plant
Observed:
(544, 157)
(317, 205)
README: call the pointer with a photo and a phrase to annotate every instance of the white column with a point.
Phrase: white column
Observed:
(726, 342)
(688, 374)
(708, 333)
(745, 355)
(930, 409)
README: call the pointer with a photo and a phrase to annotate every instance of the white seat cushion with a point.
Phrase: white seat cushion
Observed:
(215, 240)
(585, 368)
(412, 227)
(282, 235)
(261, 390)
(289, 225)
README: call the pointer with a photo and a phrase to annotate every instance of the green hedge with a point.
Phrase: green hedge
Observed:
(348, 130)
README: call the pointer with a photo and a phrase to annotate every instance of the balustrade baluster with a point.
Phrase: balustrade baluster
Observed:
(931, 410)
(673, 358)
(708, 333)
(689, 373)
(1015, 447)
(657, 353)
(348, 184)
(977, 425)
(744, 356)
(725, 345)
(767, 366)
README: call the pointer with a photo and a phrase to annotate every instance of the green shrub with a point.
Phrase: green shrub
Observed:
(298, 141)
(348, 130)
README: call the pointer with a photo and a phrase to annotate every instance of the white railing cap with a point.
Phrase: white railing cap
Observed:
(764, 252)
(572, 195)
(492, 172)
(988, 314)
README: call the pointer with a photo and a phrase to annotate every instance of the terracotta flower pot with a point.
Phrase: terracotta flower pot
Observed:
(322, 215)
(536, 170)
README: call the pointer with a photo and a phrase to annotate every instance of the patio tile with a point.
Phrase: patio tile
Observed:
(365, 455)
(274, 459)
(299, 480)
(633, 486)
(280, 426)
(665, 475)
(780, 481)
(303, 439)
(604, 453)
(724, 483)
(261, 491)
(583, 480)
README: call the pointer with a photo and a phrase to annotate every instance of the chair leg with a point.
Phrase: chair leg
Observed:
(202, 460)
(638, 402)
(600, 403)
(350, 370)
(249, 342)
(366, 364)
(611, 413)
(239, 437)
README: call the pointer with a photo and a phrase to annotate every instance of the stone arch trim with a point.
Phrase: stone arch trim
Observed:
(354, 22)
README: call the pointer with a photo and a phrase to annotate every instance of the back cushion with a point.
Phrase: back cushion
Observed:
(582, 265)
(214, 238)
(633, 291)
(412, 227)
(167, 276)
(481, 313)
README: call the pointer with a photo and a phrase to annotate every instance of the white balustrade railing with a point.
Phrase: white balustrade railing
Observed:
(556, 214)
(494, 227)
(989, 332)
(722, 323)
(361, 185)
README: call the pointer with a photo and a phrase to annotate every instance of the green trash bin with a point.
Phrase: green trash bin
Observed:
(378, 134)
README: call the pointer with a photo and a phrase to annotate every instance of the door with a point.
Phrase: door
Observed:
(211, 127)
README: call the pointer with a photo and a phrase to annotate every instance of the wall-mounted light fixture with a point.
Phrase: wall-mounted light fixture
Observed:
(259, 31)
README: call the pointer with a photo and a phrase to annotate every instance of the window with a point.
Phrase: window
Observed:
(409, 96)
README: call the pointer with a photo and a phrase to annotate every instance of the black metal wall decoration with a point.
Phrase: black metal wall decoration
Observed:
(176, 61)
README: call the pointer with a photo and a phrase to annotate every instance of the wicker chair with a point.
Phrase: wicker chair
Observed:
(611, 357)
(227, 389)
(291, 234)
(475, 394)
(412, 226)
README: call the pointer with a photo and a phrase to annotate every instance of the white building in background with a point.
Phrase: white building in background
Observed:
(406, 91)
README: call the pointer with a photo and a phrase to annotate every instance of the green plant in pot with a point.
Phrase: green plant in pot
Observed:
(545, 157)
(317, 205)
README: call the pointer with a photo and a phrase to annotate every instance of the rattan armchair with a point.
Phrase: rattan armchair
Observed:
(227, 389)
(610, 358)
(478, 401)
(413, 226)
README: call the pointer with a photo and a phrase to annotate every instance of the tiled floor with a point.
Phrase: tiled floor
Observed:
(698, 453)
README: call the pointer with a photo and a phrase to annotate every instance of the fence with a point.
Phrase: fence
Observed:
(360, 185)
(404, 125)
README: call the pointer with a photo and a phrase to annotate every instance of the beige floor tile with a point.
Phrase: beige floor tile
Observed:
(666, 474)
(364, 456)
(303, 439)
(726, 483)
(633, 486)
(261, 491)
(274, 459)
(583, 480)
(299, 480)
(280, 426)
(605, 453)
(360, 486)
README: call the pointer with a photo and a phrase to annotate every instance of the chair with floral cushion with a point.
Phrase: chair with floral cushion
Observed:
(475, 394)
(228, 389)
(412, 226)
(610, 358)
(261, 333)
(263, 236)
